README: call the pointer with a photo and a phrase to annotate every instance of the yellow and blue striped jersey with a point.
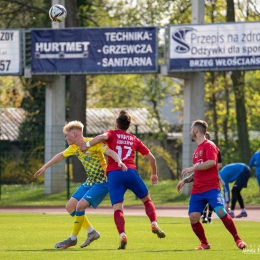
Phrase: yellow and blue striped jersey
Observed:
(93, 161)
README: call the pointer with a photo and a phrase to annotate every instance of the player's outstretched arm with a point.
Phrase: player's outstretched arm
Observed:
(56, 159)
(115, 156)
(152, 161)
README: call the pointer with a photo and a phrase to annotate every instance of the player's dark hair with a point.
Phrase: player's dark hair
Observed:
(123, 120)
(201, 125)
(207, 135)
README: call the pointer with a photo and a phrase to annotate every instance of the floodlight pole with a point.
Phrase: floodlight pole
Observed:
(193, 100)
(54, 180)
(193, 97)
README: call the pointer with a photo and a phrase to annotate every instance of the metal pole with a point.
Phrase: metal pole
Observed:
(193, 100)
(55, 118)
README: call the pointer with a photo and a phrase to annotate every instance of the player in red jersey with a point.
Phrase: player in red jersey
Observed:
(126, 144)
(206, 187)
(205, 218)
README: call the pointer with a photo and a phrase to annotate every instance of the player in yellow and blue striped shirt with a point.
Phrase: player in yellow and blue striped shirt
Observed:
(94, 190)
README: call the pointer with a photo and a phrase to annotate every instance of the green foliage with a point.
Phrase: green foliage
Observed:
(114, 91)
(221, 113)
(137, 90)
(252, 82)
(20, 169)
(24, 14)
(255, 144)
(149, 12)
(11, 92)
(95, 13)
(180, 241)
(122, 91)
(165, 164)
(214, 11)
(31, 130)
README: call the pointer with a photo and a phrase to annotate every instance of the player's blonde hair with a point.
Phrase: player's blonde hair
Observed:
(73, 125)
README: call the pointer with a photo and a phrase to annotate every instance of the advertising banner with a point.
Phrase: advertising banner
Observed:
(92, 51)
(10, 53)
(232, 46)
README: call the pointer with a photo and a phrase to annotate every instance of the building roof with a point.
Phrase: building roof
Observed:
(10, 120)
(97, 121)
(100, 119)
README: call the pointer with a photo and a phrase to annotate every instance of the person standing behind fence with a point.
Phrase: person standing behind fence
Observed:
(126, 144)
(255, 162)
(238, 173)
(94, 190)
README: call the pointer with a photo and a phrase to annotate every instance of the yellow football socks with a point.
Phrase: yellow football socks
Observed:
(78, 221)
(86, 224)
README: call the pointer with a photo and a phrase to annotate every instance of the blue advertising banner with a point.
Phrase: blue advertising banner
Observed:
(94, 51)
(231, 46)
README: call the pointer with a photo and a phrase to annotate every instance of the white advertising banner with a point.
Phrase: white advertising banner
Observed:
(229, 46)
(10, 57)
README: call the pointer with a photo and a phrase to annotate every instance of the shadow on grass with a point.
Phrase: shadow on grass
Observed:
(76, 250)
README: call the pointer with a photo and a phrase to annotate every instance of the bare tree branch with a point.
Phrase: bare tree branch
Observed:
(29, 7)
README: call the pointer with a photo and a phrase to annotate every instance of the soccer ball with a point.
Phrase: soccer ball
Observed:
(57, 13)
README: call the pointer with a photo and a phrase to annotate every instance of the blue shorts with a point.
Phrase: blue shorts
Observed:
(242, 179)
(119, 181)
(93, 194)
(198, 201)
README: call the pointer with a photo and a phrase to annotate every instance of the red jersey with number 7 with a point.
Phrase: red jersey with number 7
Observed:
(125, 145)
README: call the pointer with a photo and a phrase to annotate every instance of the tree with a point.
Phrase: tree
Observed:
(34, 14)
(239, 91)
(11, 92)
(27, 94)
(224, 93)
(24, 13)
(31, 130)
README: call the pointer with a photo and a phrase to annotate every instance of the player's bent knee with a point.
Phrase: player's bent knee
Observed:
(146, 198)
(70, 207)
(194, 217)
(220, 211)
(82, 205)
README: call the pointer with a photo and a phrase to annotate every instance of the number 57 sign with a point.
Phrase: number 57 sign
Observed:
(10, 54)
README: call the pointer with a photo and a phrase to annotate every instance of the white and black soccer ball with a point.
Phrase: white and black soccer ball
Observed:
(57, 13)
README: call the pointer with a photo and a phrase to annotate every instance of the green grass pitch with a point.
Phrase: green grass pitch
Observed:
(33, 236)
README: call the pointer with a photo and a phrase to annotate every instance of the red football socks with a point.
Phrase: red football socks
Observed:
(150, 210)
(199, 231)
(230, 226)
(119, 221)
